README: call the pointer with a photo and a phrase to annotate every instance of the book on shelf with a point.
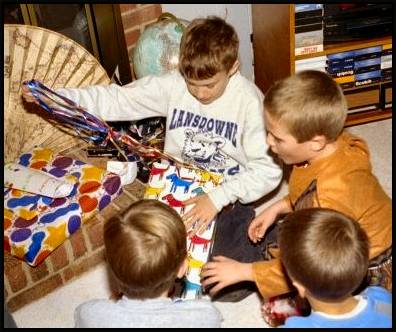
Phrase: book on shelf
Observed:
(316, 63)
(368, 53)
(386, 74)
(341, 58)
(308, 49)
(308, 28)
(335, 67)
(304, 7)
(368, 65)
(347, 85)
(360, 109)
(308, 24)
(386, 62)
(386, 49)
(308, 38)
(340, 73)
(367, 78)
(308, 13)
(308, 20)
(344, 79)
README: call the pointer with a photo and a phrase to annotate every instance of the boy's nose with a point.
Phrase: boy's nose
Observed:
(201, 94)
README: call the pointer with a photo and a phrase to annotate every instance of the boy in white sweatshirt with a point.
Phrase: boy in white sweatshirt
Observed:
(214, 120)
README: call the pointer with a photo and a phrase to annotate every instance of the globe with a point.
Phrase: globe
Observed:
(157, 49)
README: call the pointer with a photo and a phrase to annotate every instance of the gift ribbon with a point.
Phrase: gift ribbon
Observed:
(89, 127)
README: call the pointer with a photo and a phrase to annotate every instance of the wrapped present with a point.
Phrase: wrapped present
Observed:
(172, 185)
(40, 210)
(277, 309)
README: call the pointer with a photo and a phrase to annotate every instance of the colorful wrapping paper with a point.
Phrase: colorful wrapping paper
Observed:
(34, 225)
(172, 185)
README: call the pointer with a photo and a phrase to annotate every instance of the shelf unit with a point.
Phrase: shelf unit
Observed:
(274, 59)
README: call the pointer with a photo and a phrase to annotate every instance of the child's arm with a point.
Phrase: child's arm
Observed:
(266, 218)
(223, 272)
(258, 173)
(268, 275)
(140, 99)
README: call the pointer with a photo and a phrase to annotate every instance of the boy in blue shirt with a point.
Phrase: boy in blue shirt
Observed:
(326, 255)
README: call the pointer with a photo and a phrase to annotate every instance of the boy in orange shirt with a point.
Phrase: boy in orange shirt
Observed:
(304, 116)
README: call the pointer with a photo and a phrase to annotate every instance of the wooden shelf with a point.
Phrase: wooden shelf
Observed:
(368, 116)
(347, 46)
(274, 58)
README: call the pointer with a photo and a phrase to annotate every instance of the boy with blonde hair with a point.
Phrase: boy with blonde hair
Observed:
(146, 251)
(325, 254)
(304, 117)
(214, 122)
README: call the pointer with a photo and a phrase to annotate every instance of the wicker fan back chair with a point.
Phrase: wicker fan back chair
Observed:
(32, 52)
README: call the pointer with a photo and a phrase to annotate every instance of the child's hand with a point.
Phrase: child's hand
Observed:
(266, 218)
(202, 213)
(223, 272)
(260, 224)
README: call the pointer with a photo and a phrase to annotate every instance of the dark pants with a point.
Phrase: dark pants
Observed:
(231, 240)
(231, 237)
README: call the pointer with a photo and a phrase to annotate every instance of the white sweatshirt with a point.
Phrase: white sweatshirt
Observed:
(225, 136)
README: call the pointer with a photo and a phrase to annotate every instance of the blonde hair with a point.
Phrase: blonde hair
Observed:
(325, 251)
(309, 103)
(145, 247)
(208, 46)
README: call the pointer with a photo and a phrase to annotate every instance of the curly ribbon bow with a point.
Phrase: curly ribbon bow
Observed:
(90, 127)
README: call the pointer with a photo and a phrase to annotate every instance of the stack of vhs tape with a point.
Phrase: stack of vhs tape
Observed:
(368, 65)
(357, 67)
(308, 28)
(361, 68)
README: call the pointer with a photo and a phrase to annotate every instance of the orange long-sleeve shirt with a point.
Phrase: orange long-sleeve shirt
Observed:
(342, 181)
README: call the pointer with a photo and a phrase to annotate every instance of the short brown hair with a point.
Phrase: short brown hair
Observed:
(208, 46)
(308, 103)
(145, 247)
(324, 250)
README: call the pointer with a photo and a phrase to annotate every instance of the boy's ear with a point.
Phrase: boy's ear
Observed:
(234, 68)
(300, 288)
(318, 142)
(182, 269)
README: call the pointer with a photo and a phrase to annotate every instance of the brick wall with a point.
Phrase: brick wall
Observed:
(134, 19)
(82, 251)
